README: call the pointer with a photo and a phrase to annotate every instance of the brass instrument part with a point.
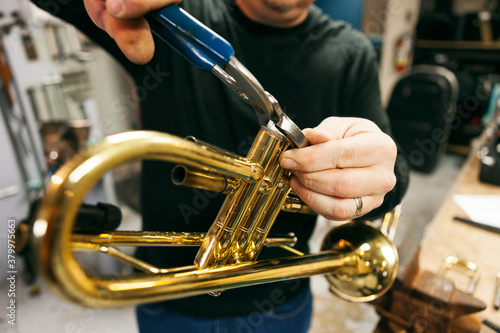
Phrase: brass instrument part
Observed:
(360, 262)
(370, 261)
(196, 178)
(293, 204)
(103, 243)
(291, 249)
(158, 238)
(242, 211)
(390, 222)
(79, 246)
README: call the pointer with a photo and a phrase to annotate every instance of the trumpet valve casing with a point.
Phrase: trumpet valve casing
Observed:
(243, 223)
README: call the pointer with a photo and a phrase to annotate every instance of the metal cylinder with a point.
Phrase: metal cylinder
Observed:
(197, 178)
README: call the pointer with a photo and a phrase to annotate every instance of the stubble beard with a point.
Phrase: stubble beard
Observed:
(279, 5)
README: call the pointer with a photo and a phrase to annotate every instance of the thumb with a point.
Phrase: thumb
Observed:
(131, 9)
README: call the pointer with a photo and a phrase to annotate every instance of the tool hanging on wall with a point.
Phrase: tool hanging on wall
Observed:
(11, 102)
(64, 43)
(25, 35)
(6, 77)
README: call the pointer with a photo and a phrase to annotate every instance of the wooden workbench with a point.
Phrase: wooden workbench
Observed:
(444, 236)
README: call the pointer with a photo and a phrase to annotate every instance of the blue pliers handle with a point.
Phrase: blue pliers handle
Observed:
(202, 47)
(209, 52)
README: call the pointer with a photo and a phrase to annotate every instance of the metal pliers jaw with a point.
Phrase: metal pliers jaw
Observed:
(210, 52)
(245, 85)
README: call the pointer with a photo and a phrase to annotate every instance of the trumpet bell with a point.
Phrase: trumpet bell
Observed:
(370, 261)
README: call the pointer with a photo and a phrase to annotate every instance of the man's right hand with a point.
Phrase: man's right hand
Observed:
(123, 20)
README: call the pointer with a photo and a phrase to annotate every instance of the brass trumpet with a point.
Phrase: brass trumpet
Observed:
(358, 259)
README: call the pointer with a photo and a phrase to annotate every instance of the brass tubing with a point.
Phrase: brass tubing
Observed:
(213, 148)
(360, 263)
(391, 221)
(237, 212)
(293, 204)
(158, 238)
(291, 249)
(256, 239)
(81, 246)
(153, 288)
(276, 240)
(272, 191)
(123, 257)
(196, 178)
(218, 241)
(51, 234)
(142, 238)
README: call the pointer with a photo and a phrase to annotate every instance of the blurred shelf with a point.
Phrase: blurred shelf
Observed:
(459, 149)
(458, 45)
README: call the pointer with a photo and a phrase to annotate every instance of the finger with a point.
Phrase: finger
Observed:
(362, 150)
(334, 208)
(348, 183)
(336, 128)
(130, 9)
(319, 135)
(133, 37)
(96, 9)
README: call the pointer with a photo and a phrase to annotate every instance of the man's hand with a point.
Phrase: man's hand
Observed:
(123, 20)
(348, 158)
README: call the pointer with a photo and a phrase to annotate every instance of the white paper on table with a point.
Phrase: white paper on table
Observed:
(484, 209)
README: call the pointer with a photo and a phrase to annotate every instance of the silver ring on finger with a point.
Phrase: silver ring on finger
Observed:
(359, 207)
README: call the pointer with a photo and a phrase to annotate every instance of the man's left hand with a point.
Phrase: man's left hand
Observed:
(348, 158)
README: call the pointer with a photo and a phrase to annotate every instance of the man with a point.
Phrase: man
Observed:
(323, 74)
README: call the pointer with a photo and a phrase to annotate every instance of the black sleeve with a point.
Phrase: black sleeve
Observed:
(365, 101)
(74, 13)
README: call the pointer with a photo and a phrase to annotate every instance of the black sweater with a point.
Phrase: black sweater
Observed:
(315, 70)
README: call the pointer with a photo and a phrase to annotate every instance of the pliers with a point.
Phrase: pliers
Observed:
(209, 52)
